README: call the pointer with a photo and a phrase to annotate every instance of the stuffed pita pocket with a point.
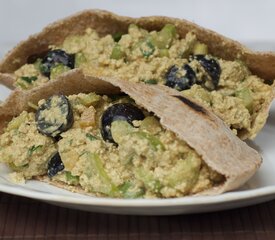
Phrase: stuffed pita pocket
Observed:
(157, 144)
(219, 73)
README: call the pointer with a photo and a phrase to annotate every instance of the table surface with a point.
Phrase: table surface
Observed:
(22, 218)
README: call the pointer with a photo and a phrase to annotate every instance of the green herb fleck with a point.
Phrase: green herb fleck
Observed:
(147, 48)
(151, 81)
(91, 137)
(29, 79)
(33, 149)
(117, 36)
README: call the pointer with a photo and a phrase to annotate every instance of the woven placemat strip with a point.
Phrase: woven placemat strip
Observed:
(22, 218)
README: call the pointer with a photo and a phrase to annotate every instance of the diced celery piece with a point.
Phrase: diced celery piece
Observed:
(58, 70)
(119, 129)
(153, 141)
(133, 26)
(151, 125)
(80, 59)
(117, 52)
(16, 122)
(185, 172)
(148, 179)
(129, 190)
(164, 53)
(95, 167)
(73, 180)
(246, 95)
(88, 99)
(164, 38)
(37, 64)
(200, 49)
(33, 106)
(170, 29)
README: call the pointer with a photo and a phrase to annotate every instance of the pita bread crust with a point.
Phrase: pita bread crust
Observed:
(200, 128)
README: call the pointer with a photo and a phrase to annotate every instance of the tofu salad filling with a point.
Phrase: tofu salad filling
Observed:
(107, 146)
(158, 57)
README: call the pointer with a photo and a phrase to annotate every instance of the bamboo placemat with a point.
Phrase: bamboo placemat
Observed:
(22, 218)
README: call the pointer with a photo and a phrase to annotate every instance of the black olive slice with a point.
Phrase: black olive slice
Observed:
(55, 116)
(54, 58)
(180, 78)
(120, 111)
(55, 165)
(213, 69)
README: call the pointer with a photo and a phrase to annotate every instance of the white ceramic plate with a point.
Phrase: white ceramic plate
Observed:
(259, 189)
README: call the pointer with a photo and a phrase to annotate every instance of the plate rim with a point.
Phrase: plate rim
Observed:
(234, 196)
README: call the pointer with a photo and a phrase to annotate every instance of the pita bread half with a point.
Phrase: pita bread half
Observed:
(261, 64)
(202, 130)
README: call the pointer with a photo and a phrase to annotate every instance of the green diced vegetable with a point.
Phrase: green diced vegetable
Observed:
(37, 64)
(117, 52)
(185, 172)
(169, 29)
(117, 36)
(95, 167)
(164, 53)
(21, 85)
(151, 81)
(33, 106)
(119, 129)
(129, 190)
(148, 179)
(29, 79)
(246, 95)
(164, 38)
(91, 137)
(58, 70)
(17, 168)
(73, 180)
(16, 122)
(200, 49)
(133, 26)
(33, 149)
(153, 141)
(89, 99)
(80, 59)
(151, 125)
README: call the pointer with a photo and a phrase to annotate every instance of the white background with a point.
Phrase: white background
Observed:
(248, 21)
